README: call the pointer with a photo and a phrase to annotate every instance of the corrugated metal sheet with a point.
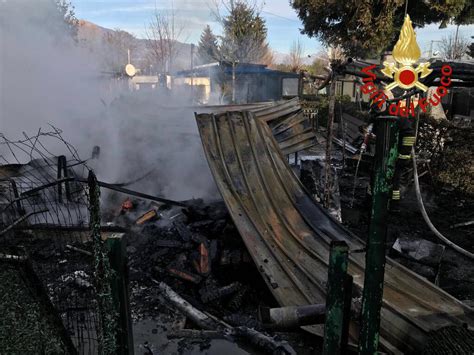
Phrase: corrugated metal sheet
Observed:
(288, 234)
(292, 130)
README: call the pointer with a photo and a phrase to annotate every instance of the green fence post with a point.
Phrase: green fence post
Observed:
(120, 292)
(386, 154)
(336, 298)
(107, 314)
(347, 312)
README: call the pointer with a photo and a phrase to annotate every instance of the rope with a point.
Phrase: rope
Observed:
(427, 218)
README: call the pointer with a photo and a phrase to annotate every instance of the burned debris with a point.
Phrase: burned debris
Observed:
(294, 257)
(252, 268)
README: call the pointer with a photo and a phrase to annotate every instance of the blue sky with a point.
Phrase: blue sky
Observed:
(282, 23)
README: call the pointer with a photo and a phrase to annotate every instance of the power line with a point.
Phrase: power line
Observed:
(283, 17)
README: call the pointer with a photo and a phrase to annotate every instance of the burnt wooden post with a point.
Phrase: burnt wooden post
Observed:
(62, 172)
(386, 154)
(59, 175)
(16, 195)
(329, 136)
(120, 291)
(336, 319)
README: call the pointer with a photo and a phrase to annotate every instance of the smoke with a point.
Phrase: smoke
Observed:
(48, 78)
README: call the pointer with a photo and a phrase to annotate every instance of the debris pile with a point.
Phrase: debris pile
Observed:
(197, 250)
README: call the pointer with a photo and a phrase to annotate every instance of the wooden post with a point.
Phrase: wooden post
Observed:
(59, 176)
(19, 208)
(327, 174)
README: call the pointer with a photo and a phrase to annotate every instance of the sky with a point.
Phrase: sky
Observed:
(282, 23)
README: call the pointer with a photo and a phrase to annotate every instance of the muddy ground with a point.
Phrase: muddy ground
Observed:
(445, 206)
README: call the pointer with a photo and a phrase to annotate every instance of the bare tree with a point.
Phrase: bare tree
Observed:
(116, 45)
(295, 58)
(163, 34)
(269, 59)
(335, 53)
(454, 46)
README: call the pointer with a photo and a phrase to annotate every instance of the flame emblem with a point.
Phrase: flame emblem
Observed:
(406, 53)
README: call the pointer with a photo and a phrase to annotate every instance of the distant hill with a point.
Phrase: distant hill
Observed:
(92, 36)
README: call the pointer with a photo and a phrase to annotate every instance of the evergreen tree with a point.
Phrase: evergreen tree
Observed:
(245, 34)
(208, 50)
(67, 14)
(366, 28)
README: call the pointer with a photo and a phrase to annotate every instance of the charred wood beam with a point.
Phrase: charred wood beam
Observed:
(208, 322)
(79, 250)
(211, 294)
(19, 220)
(184, 275)
(196, 316)
(263, 341)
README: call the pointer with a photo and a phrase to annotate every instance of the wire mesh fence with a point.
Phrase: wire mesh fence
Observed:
(45, 222)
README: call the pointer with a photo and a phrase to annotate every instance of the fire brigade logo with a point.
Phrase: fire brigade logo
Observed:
(406, 53)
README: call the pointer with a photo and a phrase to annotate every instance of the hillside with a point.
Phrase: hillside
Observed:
(93, 37)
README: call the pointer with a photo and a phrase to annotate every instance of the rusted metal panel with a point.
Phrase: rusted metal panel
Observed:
(270, 113)
(288, 235)
(292, 130)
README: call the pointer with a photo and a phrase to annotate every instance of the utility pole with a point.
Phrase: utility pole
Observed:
(192, 72)
(455, 43)
(431, 47)
(233, 81)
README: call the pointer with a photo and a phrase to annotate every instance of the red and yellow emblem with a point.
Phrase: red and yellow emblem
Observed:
(406, 53)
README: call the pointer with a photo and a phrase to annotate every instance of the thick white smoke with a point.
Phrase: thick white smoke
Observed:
(47, 78)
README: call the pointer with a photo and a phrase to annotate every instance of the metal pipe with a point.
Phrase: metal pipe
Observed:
(293, 316)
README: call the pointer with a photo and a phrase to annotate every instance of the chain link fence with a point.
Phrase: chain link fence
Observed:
(55, 274)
